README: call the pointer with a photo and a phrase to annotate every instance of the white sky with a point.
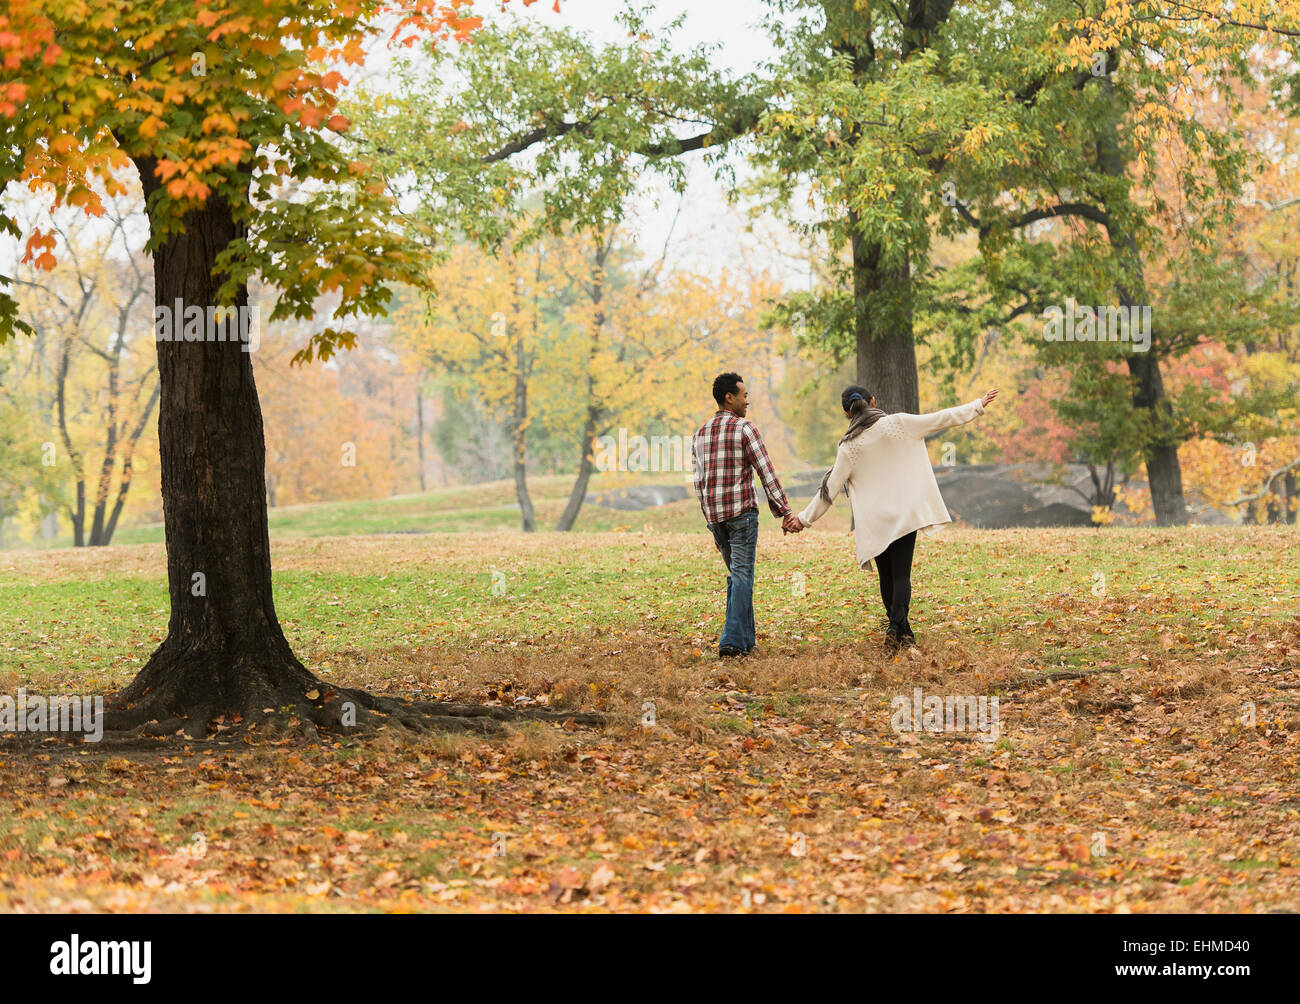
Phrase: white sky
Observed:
(707, 231)
(734, 24)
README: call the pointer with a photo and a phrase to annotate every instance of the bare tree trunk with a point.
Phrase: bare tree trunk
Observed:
(578, 493)
(128, 467)
(1103, 492)
(519, 415)
(528, 519)
(110, 456)
(585, 459)
(1164, 473)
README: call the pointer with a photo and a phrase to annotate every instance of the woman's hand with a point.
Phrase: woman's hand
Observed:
(989, 397)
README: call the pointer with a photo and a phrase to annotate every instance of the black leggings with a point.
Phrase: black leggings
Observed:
(895, 567)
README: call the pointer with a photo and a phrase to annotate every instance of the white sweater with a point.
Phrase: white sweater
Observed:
(891, 485)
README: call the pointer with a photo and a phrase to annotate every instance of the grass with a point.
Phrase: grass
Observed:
(488, 507)
(78, 617)
(698, 812)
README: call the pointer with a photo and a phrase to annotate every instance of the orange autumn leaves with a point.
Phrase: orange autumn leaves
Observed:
(226, 97)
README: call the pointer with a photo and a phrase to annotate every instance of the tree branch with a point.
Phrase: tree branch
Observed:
(1268, 484)
(738, 124)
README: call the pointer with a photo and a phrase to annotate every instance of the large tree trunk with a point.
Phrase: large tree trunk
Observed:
(1160, 450)
(1164, 473)
(225, 651)
(883, 315)
(883, 329)
(882, 295)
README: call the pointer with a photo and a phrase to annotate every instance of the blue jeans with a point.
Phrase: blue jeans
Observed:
(737, 540)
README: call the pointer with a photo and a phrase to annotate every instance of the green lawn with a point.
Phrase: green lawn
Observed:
(72, 618)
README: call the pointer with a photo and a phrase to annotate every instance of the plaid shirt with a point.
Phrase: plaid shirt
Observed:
(725, 452)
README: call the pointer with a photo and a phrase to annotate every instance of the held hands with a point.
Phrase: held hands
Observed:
(989, 397)
(791, 524)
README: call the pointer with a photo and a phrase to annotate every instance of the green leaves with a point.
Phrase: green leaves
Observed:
(526, 112)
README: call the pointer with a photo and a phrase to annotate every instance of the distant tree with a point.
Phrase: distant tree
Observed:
(92, 355)
(560, 341)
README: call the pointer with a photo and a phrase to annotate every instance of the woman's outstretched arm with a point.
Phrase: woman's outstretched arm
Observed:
(920, 426)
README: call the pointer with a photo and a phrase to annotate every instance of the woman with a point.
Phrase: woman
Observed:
(883, 463)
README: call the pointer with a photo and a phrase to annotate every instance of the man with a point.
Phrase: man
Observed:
(725, 452)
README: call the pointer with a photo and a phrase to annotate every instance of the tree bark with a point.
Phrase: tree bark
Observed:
(1103, 492)
(883, 329)
(225, 651)
(105, 484)
(77, 514)
(1164, 472)
(519, 417)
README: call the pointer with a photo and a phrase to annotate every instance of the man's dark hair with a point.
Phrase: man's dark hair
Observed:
(850, 391)
(724, 384)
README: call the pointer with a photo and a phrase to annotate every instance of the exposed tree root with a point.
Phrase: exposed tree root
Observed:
(1037, 678)
(258, 696)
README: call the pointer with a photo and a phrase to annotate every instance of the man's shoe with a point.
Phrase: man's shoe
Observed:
(892, 642)
(730, 652)
(907, 640)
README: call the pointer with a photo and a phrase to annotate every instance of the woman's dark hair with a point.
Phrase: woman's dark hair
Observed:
(861, 418)
(846, 395)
